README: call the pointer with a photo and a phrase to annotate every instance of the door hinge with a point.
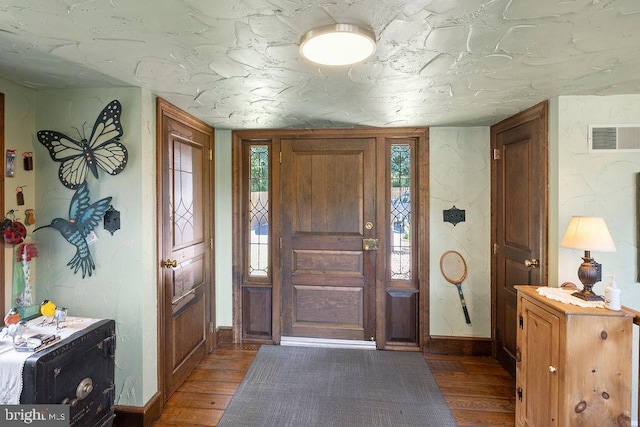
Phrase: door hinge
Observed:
(496, 248)
(280, 243)
(496, 154)
(521, 322)
(211, 244)
(211, 327)
(520, 394)
(210, 154)
(281, 157)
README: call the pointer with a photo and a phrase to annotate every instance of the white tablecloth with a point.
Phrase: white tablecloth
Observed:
(12, 361)
(564, 295)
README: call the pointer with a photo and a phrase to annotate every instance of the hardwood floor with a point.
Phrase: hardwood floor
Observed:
(478, 390)
(203, 397)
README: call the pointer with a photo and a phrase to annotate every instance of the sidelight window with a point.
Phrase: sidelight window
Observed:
(400, 211)
(259, 211)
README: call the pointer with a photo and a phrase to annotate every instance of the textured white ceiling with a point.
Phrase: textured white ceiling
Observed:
(235, 63)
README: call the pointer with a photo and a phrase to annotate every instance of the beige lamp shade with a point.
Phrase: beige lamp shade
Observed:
(588, 233)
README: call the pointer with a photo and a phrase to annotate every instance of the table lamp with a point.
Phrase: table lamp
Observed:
(588, 233)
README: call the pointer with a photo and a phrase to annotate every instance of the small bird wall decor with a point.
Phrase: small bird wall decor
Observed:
(84, 216)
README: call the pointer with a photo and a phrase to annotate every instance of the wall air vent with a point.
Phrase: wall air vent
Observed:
(610, 138)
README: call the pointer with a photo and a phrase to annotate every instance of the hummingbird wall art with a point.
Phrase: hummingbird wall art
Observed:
(83, 218)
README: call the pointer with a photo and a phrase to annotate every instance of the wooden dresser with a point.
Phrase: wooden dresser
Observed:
(573, 364)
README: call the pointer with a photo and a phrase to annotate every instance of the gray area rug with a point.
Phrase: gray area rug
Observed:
(303, 386)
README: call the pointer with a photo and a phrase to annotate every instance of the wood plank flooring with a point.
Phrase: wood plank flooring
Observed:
(477, 389)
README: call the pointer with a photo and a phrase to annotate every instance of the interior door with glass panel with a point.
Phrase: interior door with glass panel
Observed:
(186, 242)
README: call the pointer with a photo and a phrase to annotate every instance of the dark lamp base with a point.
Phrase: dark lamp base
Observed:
(589, 273)
(587, 295)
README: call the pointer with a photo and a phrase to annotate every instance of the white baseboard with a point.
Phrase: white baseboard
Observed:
(321, 342)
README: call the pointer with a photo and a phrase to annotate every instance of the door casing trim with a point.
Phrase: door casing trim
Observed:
(421, 220)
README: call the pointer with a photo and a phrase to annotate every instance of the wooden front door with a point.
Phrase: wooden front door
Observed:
(328, 209)
(185, 212)
(519, 213)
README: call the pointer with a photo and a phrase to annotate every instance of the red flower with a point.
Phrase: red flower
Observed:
(29, 250)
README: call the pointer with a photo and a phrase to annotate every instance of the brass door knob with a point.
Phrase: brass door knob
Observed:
(169, 263)
(533, 263)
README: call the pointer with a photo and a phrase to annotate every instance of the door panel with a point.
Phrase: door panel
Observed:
(519, 205)
(186, 254)
(328, 280)
(402, 314)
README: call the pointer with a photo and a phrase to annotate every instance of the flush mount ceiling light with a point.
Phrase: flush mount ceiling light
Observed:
(337, 44)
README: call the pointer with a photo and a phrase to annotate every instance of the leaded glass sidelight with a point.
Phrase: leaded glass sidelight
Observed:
(400, 213)
(259, 211)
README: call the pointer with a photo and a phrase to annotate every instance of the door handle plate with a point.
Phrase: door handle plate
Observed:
(369, 244)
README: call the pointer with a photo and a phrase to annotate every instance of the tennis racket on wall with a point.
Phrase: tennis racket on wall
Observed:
(454, 269)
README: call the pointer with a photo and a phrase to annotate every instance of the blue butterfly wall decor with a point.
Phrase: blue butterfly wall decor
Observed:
(103, 149)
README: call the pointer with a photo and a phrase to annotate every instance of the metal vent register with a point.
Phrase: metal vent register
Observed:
(603, 138)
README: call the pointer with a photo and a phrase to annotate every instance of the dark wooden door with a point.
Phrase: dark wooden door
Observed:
(328, 208)
(519, 213)
(185, 212)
